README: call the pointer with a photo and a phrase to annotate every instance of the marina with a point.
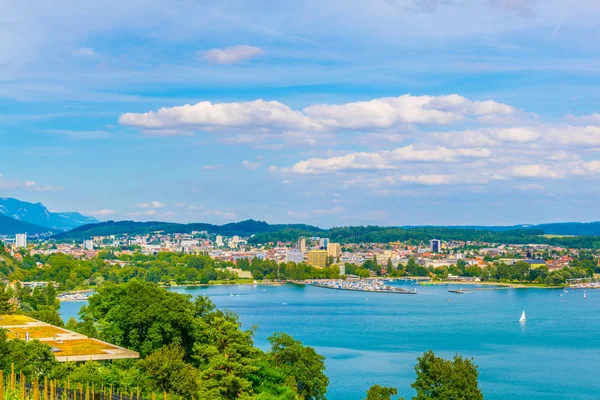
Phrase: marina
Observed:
(370, 285)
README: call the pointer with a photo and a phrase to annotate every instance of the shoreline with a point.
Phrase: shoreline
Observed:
(503, 284)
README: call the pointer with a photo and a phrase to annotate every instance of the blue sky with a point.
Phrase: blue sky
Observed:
(326, 112)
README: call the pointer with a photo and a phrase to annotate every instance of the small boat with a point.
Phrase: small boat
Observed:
(523, 317)
(584, 295)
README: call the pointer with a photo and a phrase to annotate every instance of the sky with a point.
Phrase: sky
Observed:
(327, 112)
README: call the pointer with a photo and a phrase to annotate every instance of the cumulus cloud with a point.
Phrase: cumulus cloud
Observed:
(103, 212)
(385, 159)
(231, 55)
(151, 205)
(212, 167)
(263, 116)
(84, 52)
(488, 136)
(27, 185)
(250, 165)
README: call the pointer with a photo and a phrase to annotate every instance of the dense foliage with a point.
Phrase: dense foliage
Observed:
(180, 268)
(416, 235)
(188, 348)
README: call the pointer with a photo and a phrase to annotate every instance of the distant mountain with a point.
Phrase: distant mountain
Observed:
(243, 228)
(38, 214)
(11, 226)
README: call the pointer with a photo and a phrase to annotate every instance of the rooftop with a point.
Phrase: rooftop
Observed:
(66, 345)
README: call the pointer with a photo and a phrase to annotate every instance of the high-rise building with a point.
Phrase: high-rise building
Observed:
(436, 245)
(295, 256)
(302, 245)
(342, 269)
(323, 243)
(334, 250)
(21, 240)
(88, 244)
(317, 258)
(219, 241)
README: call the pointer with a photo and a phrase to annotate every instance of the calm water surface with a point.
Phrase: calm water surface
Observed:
(375, 338)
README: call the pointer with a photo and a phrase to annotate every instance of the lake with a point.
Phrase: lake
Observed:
(375, 338)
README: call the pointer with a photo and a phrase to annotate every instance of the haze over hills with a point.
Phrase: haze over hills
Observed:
(38, 214)
(243, 228)
(11, 226)
(34, 218)
(263, 232)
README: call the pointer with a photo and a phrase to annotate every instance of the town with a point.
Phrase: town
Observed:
(236, 259)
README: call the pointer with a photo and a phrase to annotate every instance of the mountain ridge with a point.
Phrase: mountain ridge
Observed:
(252, 227)
(38, 214)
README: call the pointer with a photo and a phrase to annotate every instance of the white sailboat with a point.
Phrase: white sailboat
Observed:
(584, 295)
(523, 318)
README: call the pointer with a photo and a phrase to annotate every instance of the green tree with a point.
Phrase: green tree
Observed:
(377, 392)
(141, 316)
(438, 378)
(5, 297)
(169, 372)
(302, 363)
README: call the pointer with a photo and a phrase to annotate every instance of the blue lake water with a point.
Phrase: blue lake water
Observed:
(554, 355)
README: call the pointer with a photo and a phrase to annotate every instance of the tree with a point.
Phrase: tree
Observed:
(169, 372)
(5, 301)
(226, 357)
(438, 378)
(302, 363)
(377, 392)
(141, 316)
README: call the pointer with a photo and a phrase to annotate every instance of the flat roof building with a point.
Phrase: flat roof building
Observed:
(317, 258)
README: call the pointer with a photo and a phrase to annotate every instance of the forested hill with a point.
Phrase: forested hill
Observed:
(11, 226)
(416, 235)
(588, 234)
(243, 228)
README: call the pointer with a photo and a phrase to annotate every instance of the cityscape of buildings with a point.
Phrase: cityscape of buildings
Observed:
(317, 252)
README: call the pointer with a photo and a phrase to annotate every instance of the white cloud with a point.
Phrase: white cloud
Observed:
(150, 212)
(593, 119)
(231, 55)
(103, 212)
(286, 182)
(28, 185)
(257, 114)
(152, 205)
(84, 52)
(250, 165)
(488, 136)
(212, 167)
(386, 159)
(268, 116)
